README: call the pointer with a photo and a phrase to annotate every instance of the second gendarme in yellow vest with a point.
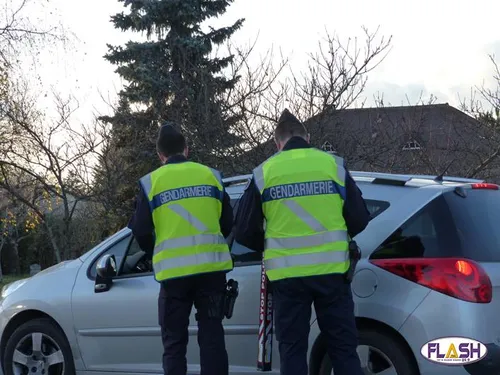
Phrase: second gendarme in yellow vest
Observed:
(303, 192)
(186, 205)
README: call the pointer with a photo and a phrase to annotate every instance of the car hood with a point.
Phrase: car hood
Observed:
(54, 272)
(9, 288)
(12, 287)
(56, 267)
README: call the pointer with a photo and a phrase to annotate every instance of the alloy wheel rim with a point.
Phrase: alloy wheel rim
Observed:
(374, 362)
(37, 354)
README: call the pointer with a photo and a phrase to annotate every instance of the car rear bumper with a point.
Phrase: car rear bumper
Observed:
(441, 316)
(489, 364)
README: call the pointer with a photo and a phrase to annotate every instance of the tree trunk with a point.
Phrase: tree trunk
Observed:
(66, 240)
(2, 242)
(55, 248)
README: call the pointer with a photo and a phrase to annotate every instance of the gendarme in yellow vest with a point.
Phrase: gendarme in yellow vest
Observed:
(303, 192)
(186, 204)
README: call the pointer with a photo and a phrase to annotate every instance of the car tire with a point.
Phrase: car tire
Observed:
(384, 351)
(20, 345)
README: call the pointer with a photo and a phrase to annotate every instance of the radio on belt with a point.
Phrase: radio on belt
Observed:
(264, 357)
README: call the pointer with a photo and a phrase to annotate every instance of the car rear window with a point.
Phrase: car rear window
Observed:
(477, 220)
(450, 226)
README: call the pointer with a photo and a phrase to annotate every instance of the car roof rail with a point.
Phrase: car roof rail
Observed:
(380, 178)
(459, 179)
(402, 179)
(397, 181)
(236, 180)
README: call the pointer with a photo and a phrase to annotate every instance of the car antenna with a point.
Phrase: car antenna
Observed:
(439, 178)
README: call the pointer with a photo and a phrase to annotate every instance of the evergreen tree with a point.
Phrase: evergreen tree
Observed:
(170, 76)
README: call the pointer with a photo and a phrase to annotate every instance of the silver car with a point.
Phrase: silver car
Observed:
(430, 269)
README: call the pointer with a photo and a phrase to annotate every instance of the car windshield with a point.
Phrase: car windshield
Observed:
(102, 244)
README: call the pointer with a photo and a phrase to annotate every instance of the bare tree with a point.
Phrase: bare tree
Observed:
(251, 101)
(335, 78)
(484, 101)
(484, 105)
(18, 31)
(424, 138)
(374, 138)
(47, 161)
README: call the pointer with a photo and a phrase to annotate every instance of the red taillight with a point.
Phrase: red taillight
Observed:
(485, 186)
(460, 278)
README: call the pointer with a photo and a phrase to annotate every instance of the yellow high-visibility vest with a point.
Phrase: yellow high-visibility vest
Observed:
(303, 192)
(186, 204)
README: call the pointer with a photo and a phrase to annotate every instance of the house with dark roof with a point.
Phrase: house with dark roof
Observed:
(423, 139)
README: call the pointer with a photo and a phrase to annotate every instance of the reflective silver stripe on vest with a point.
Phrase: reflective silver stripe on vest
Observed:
(218, 176)
(198, 239)
(188, 216)
(192, 260)
(258, 172)
(147, 184)
(306, 259)
(258, 177)
(307, 241)
(305, 216)
(340, 168)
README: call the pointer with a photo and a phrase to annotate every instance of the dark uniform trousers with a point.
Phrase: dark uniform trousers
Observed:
(334, 307)
(175, 302)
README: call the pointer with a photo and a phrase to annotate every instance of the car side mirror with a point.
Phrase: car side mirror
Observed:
(106, 266)
(105, 271)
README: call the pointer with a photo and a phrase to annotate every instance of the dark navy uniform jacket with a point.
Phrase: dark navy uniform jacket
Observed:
(142, 225)
(249, 230)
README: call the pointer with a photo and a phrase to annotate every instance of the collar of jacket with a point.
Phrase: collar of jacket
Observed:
(295, 143)
(174, 159)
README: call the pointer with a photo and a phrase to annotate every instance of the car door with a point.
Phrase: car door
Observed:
(118, 330)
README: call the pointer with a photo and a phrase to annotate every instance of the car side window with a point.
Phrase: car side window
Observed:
(242, 255)
(118, 249)
(134, 262)
(376, 207)
(134, 248)
(416, 238)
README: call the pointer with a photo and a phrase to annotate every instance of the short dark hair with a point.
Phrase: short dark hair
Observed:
(170, 141)
(289, 126)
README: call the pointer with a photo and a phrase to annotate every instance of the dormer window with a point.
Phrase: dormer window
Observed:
(412, 145)
(327, 146)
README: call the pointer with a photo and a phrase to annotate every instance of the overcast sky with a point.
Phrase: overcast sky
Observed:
(439, 47)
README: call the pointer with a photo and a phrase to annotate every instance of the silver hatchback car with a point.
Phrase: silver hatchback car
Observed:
(430, 269)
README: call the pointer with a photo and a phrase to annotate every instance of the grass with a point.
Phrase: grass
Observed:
(10, 278)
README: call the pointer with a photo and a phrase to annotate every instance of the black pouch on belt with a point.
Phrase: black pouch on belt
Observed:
(231, 295)
(354, 257)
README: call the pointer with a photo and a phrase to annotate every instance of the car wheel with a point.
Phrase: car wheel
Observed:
(379, 355)
(38, 347)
